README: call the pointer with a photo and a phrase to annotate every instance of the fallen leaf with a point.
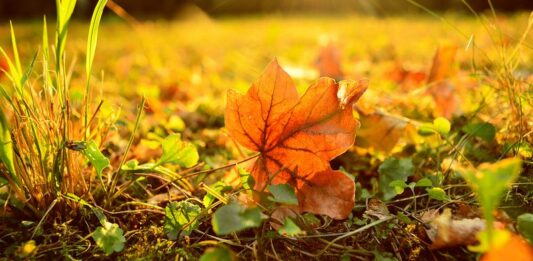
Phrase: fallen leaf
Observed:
(328, 62)
(298, 136)
(328, 192)
(443, 64)
(376, 208)
(380, 130)
(447, 102)
(405, 78)
(174, 92)
(515, 248)
(447, 231)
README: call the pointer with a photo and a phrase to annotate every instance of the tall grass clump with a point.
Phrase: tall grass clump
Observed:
(49, 145)
(505, 67)
(505, 70)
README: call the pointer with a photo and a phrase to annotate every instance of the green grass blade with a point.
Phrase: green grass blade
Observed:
(12, 72)
(6, 148)
(93, 35)
(47, 79)
(15, 48)
(46, 52)
(92, 41)
(29, 70)
(65, 8)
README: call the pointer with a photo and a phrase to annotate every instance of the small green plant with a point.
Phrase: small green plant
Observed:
(175, 152)
(525, 226)
(234, 217)
(181, 218)
(219, 253)
(391, 170)
(109, 237)
(489, 182)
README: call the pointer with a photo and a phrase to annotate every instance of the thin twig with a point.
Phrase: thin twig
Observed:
(207, 171)
(359, 230)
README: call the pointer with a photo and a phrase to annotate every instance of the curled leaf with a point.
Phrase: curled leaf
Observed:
(445, 231)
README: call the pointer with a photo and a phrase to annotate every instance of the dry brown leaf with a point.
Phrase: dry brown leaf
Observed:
(447, 102)
(298, 136)
(329, 62)
(377, 208)
(379, 130)
(445, 231)
(407, 79)
(443, 64)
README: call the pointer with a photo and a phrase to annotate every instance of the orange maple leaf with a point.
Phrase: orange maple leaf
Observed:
(298, 136)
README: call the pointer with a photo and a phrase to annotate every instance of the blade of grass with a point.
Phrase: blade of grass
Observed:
(46, 57)
(93, 36)
(6, 148)
(65, 8)
(91, 49)
(12, 73)
(130, 142)
(15, 49)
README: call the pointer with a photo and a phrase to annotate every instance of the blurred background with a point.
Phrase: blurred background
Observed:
(10, 9)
